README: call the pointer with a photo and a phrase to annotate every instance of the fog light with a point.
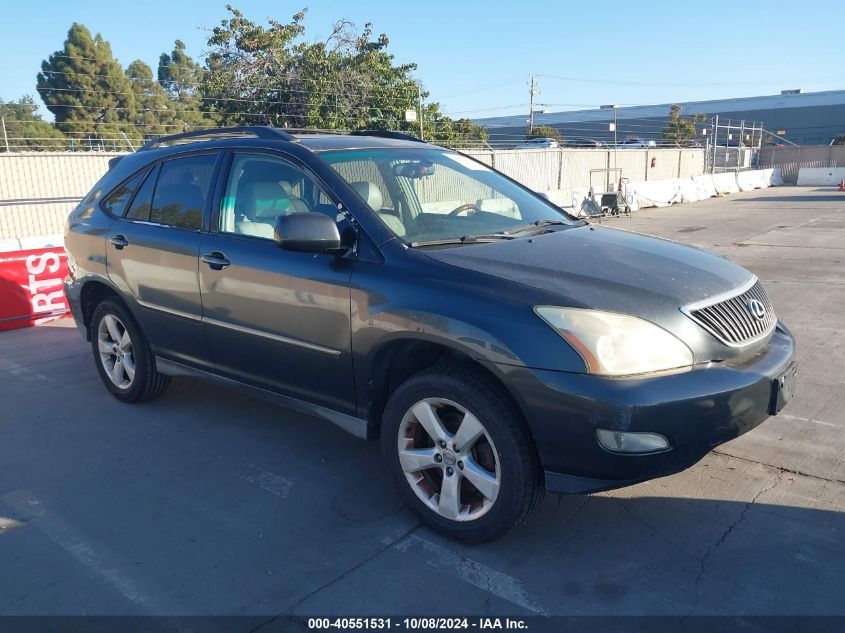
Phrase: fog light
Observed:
(621, 442)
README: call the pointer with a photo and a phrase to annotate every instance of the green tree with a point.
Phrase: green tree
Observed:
(545, 131)
(86, 89)
(251, 75)
(155, 112)
(182, 79)
(460, 133)
(26, 130)
(681, 129)
(271, 75)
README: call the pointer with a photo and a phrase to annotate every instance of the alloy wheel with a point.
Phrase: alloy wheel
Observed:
(116, 355)
(449, 459)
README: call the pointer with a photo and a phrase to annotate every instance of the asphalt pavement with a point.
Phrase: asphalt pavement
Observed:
(206, 501)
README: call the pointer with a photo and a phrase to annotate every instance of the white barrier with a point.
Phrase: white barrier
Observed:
(662, 193)
(820, 176)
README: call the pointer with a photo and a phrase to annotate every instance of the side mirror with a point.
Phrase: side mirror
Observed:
(307, 232)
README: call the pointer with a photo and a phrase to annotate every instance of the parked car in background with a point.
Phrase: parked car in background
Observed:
(637, 143)
(539, 143)
(497, 350)
(585, 142)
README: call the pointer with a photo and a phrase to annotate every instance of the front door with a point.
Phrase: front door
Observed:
(274, 318)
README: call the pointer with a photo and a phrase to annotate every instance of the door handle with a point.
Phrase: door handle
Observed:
(119, 242)
(215, 260)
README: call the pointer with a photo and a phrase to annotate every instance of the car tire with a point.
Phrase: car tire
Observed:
(122, 355)
(494, 481)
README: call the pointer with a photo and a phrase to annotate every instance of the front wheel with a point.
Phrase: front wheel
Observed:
(461, 454)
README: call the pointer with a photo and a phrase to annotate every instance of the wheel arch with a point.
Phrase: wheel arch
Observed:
(396, 360)
(94, 292)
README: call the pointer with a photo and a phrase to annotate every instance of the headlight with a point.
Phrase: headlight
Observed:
(617, 344)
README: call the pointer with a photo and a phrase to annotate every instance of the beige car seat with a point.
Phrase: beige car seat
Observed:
(371, 194)
(263, 202)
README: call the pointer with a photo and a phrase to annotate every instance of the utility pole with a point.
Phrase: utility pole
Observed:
(533, 91)
(419, 101)
(5, 136)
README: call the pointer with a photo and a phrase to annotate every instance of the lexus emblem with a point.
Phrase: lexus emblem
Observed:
(757, 309)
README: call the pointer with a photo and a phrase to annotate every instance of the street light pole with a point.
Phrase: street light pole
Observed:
(613, 127)
(615, 141)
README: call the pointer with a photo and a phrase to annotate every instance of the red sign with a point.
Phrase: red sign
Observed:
(31, 290)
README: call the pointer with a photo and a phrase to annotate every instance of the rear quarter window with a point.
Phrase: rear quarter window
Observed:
(143, 200)
(118, 200)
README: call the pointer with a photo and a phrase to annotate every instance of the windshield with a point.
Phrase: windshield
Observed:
(427, 195)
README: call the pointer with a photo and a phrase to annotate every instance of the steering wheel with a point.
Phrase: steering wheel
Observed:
(462, 208)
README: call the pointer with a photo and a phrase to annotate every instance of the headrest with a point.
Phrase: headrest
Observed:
(264, 199)
(370, 193)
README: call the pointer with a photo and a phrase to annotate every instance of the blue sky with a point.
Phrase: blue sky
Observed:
(475, 57)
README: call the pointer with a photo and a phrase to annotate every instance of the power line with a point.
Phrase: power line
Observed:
(410, 96)
(631, 82)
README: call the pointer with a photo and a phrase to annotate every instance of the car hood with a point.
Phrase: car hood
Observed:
(611, 269)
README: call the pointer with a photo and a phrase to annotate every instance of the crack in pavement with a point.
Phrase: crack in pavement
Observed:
(723, 537)
(569, 520)
(655, 531)
(289, 612)
(779, 468)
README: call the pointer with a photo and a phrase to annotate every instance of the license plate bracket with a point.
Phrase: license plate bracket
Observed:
(783, 388)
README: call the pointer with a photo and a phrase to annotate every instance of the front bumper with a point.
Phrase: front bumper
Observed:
(695, 410)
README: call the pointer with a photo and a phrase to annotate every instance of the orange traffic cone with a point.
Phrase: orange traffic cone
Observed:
(842, 185)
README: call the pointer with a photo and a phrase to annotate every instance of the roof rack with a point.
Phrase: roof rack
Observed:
(258, 131)
(402, 136)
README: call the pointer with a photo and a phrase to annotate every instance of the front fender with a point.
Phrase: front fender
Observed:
(489, 320)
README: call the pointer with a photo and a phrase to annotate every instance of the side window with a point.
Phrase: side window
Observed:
(181, 191)
(119, 199)
(261, 188)
(143, 201)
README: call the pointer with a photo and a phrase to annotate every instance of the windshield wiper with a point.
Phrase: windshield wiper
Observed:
(534, 225)
(466, 239)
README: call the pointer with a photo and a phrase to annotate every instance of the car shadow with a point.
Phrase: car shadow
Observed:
(213, 484)
(725, 537)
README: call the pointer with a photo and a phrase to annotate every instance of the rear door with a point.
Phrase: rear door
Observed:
(275, 318)
(153, 249)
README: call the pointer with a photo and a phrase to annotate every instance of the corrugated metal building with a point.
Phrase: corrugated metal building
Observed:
(805, 118)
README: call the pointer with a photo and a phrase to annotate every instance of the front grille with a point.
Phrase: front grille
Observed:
(731, 319)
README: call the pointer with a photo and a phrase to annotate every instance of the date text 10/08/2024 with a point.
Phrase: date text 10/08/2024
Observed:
(417, 624)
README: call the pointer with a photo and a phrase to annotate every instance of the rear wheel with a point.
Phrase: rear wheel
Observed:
(461, 454)
(122, 356)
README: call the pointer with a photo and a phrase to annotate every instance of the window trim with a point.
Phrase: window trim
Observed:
(155, 170)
